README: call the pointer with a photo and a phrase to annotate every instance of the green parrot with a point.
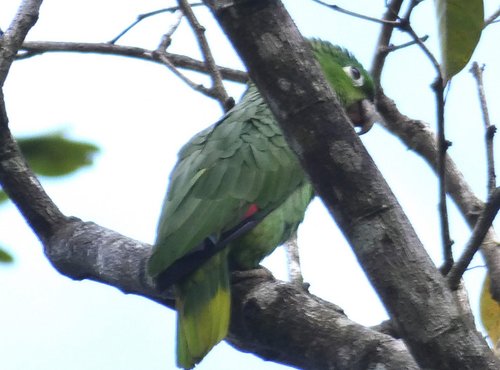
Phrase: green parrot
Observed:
(236, 193)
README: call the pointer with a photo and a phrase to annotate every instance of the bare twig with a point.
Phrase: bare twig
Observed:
(218, 90)
(489, 128)
(167, 37)
(34, 48)
(407, 28)
(294, 269)
(392, 48)
(384, 39)
(480, 229)
(357, 15)
(161, 54)
(197, 87)
(492, 18)
(443, 145)
(141, 17)
(409, 10)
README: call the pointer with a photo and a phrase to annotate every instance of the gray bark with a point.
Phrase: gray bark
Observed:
(343, 174)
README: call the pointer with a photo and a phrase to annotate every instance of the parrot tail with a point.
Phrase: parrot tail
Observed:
(203, 310)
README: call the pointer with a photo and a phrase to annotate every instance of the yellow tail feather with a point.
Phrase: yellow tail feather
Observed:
(203, 311)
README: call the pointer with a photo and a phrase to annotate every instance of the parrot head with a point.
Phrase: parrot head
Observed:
(351, 82)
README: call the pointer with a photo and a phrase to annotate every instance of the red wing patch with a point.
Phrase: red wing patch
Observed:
(252, 209)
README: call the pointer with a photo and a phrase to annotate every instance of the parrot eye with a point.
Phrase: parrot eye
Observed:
(355, 75)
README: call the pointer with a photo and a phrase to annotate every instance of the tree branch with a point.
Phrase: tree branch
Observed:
(33, 48)
(217, 89)
(418, 136)
(293, 261)
(481, 227)
(379, 233)
(84, 250)
(283, 323)
(492, 18)
(391, 14)
(12, 39)
(337, 8)
(490, 129)
(144, 16)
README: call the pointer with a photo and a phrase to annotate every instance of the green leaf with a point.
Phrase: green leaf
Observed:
(54, 155)
(460, 25)
(5, 257)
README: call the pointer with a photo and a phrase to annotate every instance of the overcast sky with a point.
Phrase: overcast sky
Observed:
(140, 115)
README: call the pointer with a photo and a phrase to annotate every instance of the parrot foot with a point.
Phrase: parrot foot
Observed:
(260, 273)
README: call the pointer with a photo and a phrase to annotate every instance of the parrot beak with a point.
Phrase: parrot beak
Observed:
(363, 115)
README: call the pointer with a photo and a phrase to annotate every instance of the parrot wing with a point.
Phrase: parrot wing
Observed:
(241, 161)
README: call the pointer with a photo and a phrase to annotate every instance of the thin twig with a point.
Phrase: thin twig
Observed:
(492, 18)
(197, 87)
(160, 53)
(480, 229)
(294, 269)
(384, 39)
(490, 129)
(443, 145)
(167, 37)
(34, 48)
(409, 11)
(219, 92)
(424, 48)
(357, 15)
(392, 48)
(141, 17)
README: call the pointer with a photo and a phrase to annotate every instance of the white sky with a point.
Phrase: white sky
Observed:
(140, 115)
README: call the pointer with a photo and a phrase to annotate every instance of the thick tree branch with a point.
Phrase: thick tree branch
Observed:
(266, 315)
(84, 250)
(16, 178)
(340, 169)
(12, 39)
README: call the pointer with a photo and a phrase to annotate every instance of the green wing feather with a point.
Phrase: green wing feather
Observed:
(222, 171)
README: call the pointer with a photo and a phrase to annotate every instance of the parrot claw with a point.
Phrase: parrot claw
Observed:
(260, 273)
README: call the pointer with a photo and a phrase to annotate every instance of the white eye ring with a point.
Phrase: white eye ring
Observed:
(355, 75)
